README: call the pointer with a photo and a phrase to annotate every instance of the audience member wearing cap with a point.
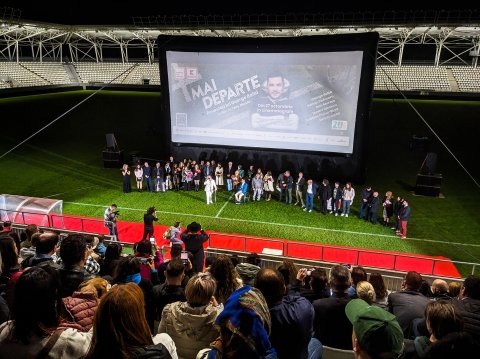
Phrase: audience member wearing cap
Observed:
(194, 237)
(468, 305)
(331, 325)
(291, 315)
(244, 328)
(376, 332)
(408, 303)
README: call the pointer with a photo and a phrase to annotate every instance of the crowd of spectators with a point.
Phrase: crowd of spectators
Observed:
(75, 297)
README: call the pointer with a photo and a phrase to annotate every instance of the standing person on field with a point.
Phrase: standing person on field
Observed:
(110, 220)
(147, 174)
(138, 177)
(387, 208)
(404, 217)
(337, 199)
(210, 188)
(348, 195)
(268, 185)
(219, 175)
(312, 189)
(257, 185)
(127, 188)
(299, 187)
(148, 219)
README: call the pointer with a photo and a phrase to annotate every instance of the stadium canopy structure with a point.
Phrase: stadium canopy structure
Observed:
(450, 36)
(28, 210)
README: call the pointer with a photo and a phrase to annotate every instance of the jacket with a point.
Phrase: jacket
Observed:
(79, 310)
(247, 272)
(191, 328)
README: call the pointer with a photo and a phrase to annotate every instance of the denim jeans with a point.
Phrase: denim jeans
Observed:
(315, 349)
(346, 206)
(309, 201)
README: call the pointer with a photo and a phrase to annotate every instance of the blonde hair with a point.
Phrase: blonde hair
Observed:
(389, 194)
(98, 286)
(366, 292)
(200, 289)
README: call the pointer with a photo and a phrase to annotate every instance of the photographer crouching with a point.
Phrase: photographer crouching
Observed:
(110, 220)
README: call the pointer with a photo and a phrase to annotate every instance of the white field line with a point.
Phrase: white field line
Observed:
(75, 190)
(282, 224)
(224, 205)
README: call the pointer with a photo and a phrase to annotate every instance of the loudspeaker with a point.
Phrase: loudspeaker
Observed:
(112, 159)
(428, 184)
(111, 142)
(429, 164)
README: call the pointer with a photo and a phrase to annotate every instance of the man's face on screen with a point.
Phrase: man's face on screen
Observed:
(275, 86)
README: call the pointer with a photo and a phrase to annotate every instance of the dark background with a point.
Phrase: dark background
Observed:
(115, 12)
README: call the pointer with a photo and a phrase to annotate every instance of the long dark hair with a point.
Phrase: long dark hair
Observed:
(41, 285)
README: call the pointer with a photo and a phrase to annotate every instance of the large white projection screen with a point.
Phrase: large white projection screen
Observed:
(287, 101)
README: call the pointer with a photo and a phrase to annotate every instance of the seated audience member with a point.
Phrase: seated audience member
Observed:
(228, 281)
(242, 191)
(454, 289)
(121, 331)
(29, 231)
(45, 247)
(172, 290)
(74, 253)
(408, 303)
(249, 269)
(143, 250)
(440, 319)
(381, 292)
(9, 254)
(291, 315)
(175, 253)
(190, 323)
(29, 251)
(376, 332)
(289, 272)
(244, 328)
(331, 325)
(35, 329)
(128, 271)
(208, 262)
(426, 289)
(440, 290)
(366, 292)
(468, 305)
(101, 247)
(358, 274)
(111, 260)
(454, 345)
(315, 285)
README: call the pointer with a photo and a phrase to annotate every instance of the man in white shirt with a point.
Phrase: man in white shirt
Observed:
(210, 188)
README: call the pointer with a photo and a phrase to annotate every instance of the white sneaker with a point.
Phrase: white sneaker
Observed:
(304, 209)
(309, 210)
(336, 214)
(346, 215)
(330, 212)
(342, 214)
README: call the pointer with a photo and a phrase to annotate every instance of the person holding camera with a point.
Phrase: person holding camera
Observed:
(194, 237)
(110, 220)
(148, 219)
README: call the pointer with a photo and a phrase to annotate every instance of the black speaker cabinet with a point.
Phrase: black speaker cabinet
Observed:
(428, 185)
(112, 159)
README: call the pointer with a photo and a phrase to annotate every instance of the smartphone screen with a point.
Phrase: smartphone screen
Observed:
(184, 255)
(152, 240)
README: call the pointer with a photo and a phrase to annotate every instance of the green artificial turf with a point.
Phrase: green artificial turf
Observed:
(64, 161)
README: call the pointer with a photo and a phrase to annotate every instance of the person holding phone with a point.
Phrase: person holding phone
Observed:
(148, 219)
(194, 237)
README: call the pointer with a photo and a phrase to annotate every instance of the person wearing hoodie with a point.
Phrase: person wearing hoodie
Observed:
(191, 323)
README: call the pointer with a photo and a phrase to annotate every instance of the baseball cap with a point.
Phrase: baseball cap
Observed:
(376, 329)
